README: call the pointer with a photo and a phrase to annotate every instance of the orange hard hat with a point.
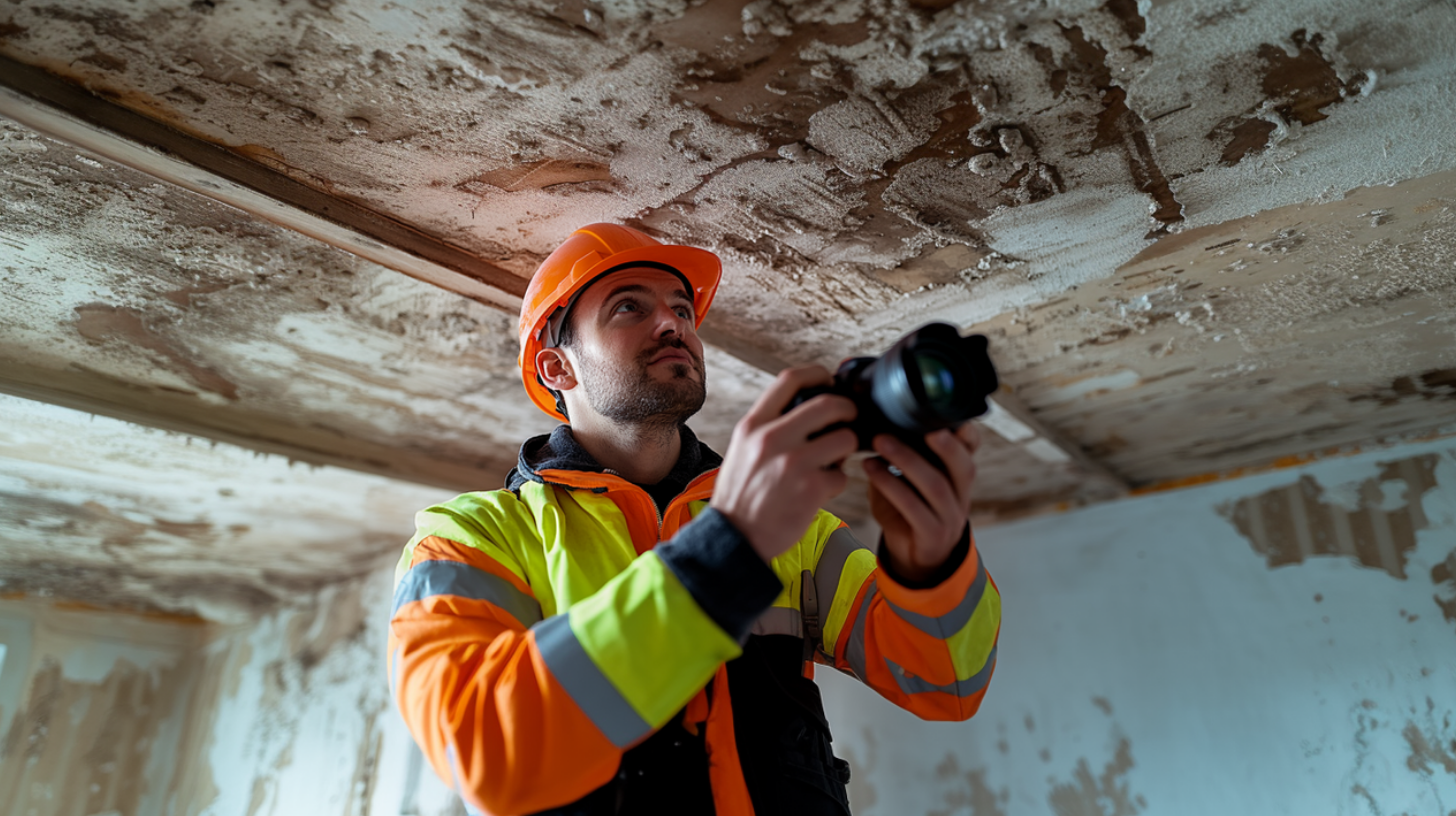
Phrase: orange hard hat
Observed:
(591, 252)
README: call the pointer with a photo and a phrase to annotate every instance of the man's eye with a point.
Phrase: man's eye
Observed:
(626, 305)
(684, 312)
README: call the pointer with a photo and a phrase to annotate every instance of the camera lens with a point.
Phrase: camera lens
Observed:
(938, 379)
(931, 378)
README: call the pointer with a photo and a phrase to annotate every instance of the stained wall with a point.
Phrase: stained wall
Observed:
(293, 716)
(131, 714)
(93, 708)
(1282, 643)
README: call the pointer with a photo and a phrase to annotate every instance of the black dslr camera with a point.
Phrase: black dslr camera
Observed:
(932, 378)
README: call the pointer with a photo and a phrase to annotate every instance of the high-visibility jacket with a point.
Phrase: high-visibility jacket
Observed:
(541, 631)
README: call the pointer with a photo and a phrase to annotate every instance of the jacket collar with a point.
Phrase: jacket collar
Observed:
(559, 450)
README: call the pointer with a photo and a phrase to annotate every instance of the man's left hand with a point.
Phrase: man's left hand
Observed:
(922, 525)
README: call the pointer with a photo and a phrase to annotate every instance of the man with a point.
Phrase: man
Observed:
(624, 628)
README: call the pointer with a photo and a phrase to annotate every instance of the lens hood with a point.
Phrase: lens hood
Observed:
(933, 378)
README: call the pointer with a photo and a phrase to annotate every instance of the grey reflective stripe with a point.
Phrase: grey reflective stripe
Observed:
(779, 620)
(430, 578)
(837, 549)
(960, 688)
(854, 652)
(583, 680)
(953, 621)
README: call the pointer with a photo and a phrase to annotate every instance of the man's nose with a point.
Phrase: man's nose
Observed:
(670, 322)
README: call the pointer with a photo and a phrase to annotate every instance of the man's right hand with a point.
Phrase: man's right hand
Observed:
(775, 478)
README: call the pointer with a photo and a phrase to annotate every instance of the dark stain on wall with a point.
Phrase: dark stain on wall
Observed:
(1430, 752)
(79, 747)
(967, 789)
(1106, 794)
(1289, 524)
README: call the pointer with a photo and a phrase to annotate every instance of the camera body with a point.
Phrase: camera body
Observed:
(932, 378)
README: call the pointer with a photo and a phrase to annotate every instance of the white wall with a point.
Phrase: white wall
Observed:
(1152, 661)
(295, 717)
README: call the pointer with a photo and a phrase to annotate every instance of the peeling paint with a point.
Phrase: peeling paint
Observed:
(861, 167)
(1290, 524)
(1297, 88)
(1443, 575)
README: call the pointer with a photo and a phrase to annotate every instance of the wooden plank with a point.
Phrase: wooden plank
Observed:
(72, 114)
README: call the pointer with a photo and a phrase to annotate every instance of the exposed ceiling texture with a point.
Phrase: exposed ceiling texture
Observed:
(1201, 236)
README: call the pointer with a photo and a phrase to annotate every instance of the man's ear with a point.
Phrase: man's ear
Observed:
(555, 369)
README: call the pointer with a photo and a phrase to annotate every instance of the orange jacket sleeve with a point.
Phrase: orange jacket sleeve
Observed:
(930, 651)
(473, 664)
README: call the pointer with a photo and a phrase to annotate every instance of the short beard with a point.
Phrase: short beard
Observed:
(643, 401)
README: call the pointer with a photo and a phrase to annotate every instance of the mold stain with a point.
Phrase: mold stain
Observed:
(81, 747)
(967, 791)
(100, 323)
(1289, 524)
(1106, 794)
(1432, 748)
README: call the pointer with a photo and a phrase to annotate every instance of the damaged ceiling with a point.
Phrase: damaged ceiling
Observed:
(1202, 237)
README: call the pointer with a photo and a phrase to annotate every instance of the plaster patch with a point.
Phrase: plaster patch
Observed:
(1292, 523)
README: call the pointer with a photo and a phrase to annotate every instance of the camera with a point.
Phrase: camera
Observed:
(932, 378)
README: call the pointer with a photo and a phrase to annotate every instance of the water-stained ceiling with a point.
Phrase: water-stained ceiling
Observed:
(1202, 237)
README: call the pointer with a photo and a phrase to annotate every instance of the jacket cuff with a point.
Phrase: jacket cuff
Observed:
(945, 587)
(719, 568)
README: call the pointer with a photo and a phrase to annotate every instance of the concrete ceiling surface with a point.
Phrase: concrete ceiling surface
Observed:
(1201, 236)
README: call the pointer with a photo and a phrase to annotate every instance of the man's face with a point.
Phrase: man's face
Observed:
(638, 356)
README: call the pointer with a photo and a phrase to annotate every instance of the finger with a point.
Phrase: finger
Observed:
(899, 495)
(970, 433)
(933, 486)
(960, 462)
(829, 449)
(832, 483)
(816, 415)
(772, 402)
